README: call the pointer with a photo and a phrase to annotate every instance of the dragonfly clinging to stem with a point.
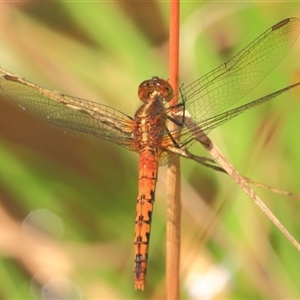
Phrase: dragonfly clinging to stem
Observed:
(147, 133)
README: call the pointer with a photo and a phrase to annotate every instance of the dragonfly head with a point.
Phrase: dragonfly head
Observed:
(155, 84)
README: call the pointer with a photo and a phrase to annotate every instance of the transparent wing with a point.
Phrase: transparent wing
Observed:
(76, 116)
(207, 98)
(222, 87)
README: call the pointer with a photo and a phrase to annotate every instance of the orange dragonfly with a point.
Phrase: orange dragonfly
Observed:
(147, 133)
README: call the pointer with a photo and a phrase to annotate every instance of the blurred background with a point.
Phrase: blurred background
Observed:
(67, 205)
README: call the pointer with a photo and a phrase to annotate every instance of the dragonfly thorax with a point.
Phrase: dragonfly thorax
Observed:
(149, 123)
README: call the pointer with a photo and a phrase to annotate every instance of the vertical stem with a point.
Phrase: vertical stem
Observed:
(174, 47)
(173, 173)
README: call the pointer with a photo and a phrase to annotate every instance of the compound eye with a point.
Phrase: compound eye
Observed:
(147, 87)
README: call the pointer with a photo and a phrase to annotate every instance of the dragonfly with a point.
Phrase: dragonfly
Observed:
(148, 132)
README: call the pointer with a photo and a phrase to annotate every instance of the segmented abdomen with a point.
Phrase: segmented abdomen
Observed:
(148, 168)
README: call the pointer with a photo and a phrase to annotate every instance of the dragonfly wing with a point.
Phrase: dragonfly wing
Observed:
(76, 116)
(194, 129)
(222, 87)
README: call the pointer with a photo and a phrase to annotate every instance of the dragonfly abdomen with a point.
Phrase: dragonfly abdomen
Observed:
(148, 169)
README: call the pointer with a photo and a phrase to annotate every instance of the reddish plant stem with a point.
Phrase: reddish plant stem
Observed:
(173, 173)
